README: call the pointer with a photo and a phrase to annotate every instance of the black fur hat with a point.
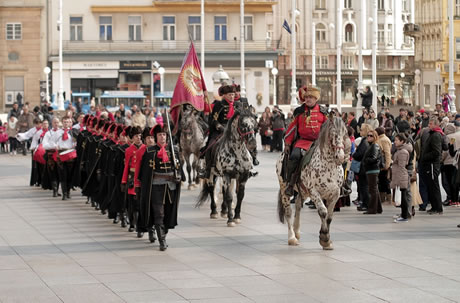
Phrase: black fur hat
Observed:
(135, 131)
(146, 133)
(226, 89)
(100, 123)
(159, 128)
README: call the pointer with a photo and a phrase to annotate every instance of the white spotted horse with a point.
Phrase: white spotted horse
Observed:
(232, 162)
(192, 139)
(320, 180)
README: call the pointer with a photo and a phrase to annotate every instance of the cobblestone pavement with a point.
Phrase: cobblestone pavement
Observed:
(64, 251)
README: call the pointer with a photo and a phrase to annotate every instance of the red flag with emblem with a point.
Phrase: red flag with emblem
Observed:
(190, 86)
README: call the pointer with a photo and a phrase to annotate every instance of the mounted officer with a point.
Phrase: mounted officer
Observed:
(302, 132)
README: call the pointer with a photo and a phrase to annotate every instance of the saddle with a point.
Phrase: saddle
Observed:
(306, 159)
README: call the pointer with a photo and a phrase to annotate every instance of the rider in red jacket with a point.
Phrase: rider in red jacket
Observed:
(303, 131)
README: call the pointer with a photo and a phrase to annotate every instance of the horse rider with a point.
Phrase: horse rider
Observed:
(302, 132)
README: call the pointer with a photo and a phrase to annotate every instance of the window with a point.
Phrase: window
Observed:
(381, 4)
(347, 62)
(348, 4)
(105, 27)
(381, 62)
(320, 4)
(320, 32)
(194, 27)
(457, 48)
(135, 28)
(322, 62)
(381, 33)
(220, 28)
(247, 27)
(76, 28)
(169, 28)
(404, 5)
(349, 33)
(457, 8)
(390, 34)
(14, 86)
(13, 31)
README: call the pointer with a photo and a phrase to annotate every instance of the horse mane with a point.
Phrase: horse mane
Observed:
(228, 128)
(323, 138)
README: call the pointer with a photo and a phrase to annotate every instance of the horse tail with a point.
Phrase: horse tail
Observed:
(206, 191)
(281, 211)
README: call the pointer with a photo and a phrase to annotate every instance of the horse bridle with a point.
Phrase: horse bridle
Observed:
(243, 135)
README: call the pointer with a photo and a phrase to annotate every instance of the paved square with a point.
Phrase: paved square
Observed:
(64, 251)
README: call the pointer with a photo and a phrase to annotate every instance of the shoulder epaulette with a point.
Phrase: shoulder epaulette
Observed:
(323, 109)
(299, 110)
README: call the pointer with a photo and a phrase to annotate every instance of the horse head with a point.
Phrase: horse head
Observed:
(243, 125)
(331, 139)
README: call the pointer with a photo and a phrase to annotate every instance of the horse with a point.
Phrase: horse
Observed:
(320, 180)
(192, 138)
(232, 162)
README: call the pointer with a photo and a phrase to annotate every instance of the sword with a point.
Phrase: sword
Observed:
(176, 176)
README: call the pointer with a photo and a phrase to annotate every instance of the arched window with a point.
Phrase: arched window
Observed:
(320, 32)
(349, 33)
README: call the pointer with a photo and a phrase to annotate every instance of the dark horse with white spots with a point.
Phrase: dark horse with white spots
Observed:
(232, 161)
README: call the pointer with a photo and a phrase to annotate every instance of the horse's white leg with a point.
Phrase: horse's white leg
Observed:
(189, 170)
(323, 212)
(298, 208)
(330, 212)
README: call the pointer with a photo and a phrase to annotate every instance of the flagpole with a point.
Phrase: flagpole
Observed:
(202, 36)
(243, 82)
(293, 57)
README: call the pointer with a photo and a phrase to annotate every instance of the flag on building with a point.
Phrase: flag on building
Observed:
(286, 26)
(190, 86)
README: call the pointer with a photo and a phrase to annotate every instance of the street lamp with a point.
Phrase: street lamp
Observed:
(451, 87)
(417, 85)
(161, 71)
(47, 71)
(220, 76)
(60, 103)
(242, 41)
(274, 73)
(374, 55)
(339, 55)
(293, 54)
(313, 54)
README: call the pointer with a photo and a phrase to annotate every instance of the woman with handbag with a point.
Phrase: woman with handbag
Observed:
(400, 176)
(372, 164)
(265, 125)
(357, 168)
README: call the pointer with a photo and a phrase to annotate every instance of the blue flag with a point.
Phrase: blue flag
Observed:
(286, 26)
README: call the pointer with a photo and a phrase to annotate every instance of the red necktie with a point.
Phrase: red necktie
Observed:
(162, 154)
(231, 110)
(43, 133)
(65, 136)
(38, 128)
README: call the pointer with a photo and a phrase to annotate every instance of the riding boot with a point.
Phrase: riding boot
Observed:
(161, 237)
(64, 190)
(123, 219)
(292, 171)
(152, 237)
(116, 220)
(55, 188)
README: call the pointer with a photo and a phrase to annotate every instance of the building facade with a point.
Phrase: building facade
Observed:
(119, 46)
(431, 33)
(395, 60)
(21, 62)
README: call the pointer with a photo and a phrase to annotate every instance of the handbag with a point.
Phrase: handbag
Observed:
(355, 166)
(268, 133)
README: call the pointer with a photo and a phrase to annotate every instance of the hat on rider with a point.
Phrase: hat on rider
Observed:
(226, 89)
(308, 91)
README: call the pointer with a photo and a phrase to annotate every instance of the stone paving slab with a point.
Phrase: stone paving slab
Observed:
(64, 251)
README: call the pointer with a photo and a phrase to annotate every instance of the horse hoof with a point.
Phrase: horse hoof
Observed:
(223, 215)
(297, 235)
(190, 187)
(329, 247)
(214, 216)
(237, 221)
(231, 224)
(293, 242)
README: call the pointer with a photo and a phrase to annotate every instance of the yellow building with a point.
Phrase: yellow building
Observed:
(431, 32)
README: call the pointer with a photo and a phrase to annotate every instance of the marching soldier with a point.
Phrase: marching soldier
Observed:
(302, 132)
(160, 174)
(127, 182)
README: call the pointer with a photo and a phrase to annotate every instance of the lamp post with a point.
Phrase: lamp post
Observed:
(47, 71)
(417, 87)
(274, 73)
(362, 27)
(60, 103)
(451, 56)
(339, 55)
(161, 71)
(374, 55)
(202, 36)
(220, 76)
(243, 82)
(313, 54)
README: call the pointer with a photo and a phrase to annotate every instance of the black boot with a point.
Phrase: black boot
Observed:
(123, 219)
(152, 237)
(292, 173)
(64, 190)
(116, 220)
(55, 188)
(68, 193)
(161, 237)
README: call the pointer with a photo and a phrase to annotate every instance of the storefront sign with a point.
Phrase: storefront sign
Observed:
(135, 65)
(94, 74)
(323, 73)
(123, 93)
(115, 65)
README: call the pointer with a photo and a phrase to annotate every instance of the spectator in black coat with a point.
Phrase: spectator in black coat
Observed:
(367, 98)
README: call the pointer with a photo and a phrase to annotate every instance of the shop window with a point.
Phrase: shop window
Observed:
(135, 28)
(105, 28)
(220, 28)
(194, 27)
(13, 31)
(169, 28)
(248, 28)
(76, 28)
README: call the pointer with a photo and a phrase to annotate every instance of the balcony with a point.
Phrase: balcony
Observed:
(96, 46)
(412, 30)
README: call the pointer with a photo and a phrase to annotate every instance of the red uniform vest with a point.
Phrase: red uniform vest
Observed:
(130, 166)
(308, 125)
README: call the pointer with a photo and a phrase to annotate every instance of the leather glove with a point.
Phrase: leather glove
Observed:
(123, 187)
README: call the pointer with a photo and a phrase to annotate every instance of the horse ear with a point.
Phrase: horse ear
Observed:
(331, 115)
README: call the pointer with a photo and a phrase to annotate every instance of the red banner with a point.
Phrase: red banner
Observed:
(190, 87)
